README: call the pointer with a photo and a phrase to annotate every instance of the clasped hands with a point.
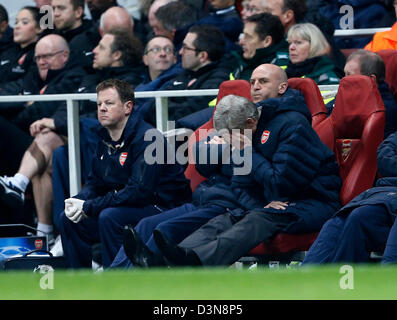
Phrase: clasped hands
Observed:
(74, 210)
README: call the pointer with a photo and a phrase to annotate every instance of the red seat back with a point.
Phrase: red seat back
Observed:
(390, 59)
(313, 98)
(237, 87)
(354, 131)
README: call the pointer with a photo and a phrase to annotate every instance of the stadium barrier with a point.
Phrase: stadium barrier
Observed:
(161, 99)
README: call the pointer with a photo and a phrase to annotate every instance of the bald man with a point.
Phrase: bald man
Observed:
(298, 175)
(115, 18)
(57, 75)
(82, 45)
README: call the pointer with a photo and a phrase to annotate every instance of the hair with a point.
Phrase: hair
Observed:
(154, 37)
(370, 64)
(267, 25)
(3, 14)
(209, 39)
(299, 8)
(176, 15)
(35, 12)
(77, 3)
(129, 45)
(123, 88)
(233, 111)
(310, 32)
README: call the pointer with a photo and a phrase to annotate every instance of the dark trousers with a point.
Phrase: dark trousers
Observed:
(176, 224)
(78, 238)
(225, 239)
(352, 237)
(60, 166)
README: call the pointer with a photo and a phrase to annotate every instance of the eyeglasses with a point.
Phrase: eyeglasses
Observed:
(185, 47)
(167, 50)
(47, 56)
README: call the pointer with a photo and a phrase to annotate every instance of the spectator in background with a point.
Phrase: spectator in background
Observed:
(153, 21)
(202, 49)
(40, 3)
(56, 74)
(308, 54)
(246, 10)
(97, 7)
(291, 12)
(16, 61)
(384, 40)
(160, 60)
(174, 20)
(262, 42)
(68, 18)
(371, 64)
(83, 44)
(6, 33)
(224, 16)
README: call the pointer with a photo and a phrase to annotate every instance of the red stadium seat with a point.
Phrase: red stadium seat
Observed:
(313, 98)
(390, 59)
(283, 242)
(353, 131)
(237, 87)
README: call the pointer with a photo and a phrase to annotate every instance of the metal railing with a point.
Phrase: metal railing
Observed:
(347, 33)
(161, 99)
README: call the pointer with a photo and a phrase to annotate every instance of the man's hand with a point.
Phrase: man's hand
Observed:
(74, 209)
(278, 205)
(216, 140)
(41, 126)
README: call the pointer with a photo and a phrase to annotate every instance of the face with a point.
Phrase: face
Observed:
(275, 7)
(103, 56)
(111, 111)
(352, 67)
(265, 83)
(160, 55)
(190, 56)
(246, 10)
(250, 40)
(48, 56)
(65, 16)
(256, 6)
(298, 49)
(26, 30)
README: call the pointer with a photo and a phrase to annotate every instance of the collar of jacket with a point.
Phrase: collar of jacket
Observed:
(70, 34)
(128, 132)
(291, 100)
(202, 70)
(52, 74)
(263, 55)
(223, 11)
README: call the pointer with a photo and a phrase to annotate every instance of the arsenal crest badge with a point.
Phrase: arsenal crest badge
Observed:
(346, 149)
(123, 157)
(265, 136)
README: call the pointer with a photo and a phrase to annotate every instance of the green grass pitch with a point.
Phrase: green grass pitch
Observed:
(368, 282)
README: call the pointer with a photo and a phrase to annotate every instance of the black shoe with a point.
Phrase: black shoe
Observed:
(176, 255)
(11, 195)
(138, 252)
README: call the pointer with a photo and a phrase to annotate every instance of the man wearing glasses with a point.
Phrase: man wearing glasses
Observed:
(202, 49)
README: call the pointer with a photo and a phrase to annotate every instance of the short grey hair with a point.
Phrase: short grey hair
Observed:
(233, 111)
(318, 43)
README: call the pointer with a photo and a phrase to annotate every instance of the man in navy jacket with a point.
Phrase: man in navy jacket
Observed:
(298, 177)
(122, 187)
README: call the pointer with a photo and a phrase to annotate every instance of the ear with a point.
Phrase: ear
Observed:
(203, 56)
(268, 41)
(288, 17)
(79, 12)
(372, 76)
(117, 55)
(282, 88)
(128, 107)
(144, 59)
